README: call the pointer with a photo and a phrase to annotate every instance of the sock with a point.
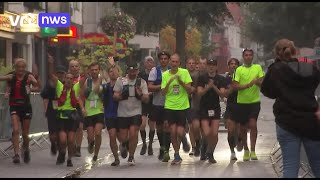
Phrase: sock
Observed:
(143, 136)
(151, 136)
(167, 142)
(160, 137)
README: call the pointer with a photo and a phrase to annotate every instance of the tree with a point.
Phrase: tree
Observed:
(152, 16)
(268, 22)
(193, 41)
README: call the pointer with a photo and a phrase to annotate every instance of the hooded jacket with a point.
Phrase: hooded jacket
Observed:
(292, 84)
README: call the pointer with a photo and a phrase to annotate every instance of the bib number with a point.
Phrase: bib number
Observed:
(176, 89)
(210, 113)
(93, 104)
(55, 104)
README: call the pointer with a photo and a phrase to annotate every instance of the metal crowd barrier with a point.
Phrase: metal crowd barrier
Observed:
(38, 132)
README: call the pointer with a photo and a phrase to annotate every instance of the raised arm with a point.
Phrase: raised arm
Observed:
(7, 77)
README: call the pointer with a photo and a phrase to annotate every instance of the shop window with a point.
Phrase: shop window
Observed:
(3, 53)
(17, 51)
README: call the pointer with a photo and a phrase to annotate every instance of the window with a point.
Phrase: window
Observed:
(3, 52)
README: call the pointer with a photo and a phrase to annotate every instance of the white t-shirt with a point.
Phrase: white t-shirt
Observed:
(132, 106)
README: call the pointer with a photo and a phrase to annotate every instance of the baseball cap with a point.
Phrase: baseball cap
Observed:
(212, 61)
(163, 53)
(132, 65)
(61, 68)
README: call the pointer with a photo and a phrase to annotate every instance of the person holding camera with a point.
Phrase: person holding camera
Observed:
(130, 91)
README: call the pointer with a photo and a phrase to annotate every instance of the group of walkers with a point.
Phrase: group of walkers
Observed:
(173, 101)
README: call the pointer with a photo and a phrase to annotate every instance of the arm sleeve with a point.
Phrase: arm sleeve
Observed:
(188, 78)
(118, 85)
(236, 76)
(144, 87)
(59, 88)
(153, 74)
(261, 73)
(164, 81)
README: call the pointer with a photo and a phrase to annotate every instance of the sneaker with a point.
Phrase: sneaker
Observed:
(16, 159)
(197, 152)
(177, 159)
(185, 144)
(192, 152)
(26, 156)
(211, 158)
(150, 150)
(131, 161)
(161, 154)
(166, 156)
(95, 158)
(246, 155)
(78, 152)
(123, 150)
(203, 155)
(143, 149)
(239, 146)
(253, 155)
(233, 156)
(91, 147)
(116, 162)
(53, 149)
(61, 159)
(69, 163)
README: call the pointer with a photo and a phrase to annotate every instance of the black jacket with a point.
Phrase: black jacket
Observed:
(292, 84)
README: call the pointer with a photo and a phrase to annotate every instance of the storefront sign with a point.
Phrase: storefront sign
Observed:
(5, 23)
(29, 23)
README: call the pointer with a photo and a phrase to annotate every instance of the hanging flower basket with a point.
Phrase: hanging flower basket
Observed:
(123, 24)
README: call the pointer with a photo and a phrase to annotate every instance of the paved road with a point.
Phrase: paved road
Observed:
(43, 164)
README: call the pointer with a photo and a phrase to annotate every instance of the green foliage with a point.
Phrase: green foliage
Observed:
(193, 43)
(123, 24)
(4, 69)
(267, 22)
(152, 16)
(98, 53)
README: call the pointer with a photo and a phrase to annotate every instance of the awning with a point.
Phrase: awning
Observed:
(7, 35)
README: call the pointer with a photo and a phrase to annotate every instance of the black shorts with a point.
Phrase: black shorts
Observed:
(52, 121)
(24, 112)
(178, 117)
(243, 112)
(91, 121)
(204, 113)
(126, 122)
(192, 114)
(67, 125)
(157, 114)
(146, 109)
(81, 117)
(229, 111)
(111, 123)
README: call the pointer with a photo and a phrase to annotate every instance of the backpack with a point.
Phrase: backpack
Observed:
(25, 98)
(159, 75)
(125, 90)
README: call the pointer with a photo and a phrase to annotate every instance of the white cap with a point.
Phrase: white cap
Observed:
(148, 57)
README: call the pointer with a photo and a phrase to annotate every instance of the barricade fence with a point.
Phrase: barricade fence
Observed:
(38, 132)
